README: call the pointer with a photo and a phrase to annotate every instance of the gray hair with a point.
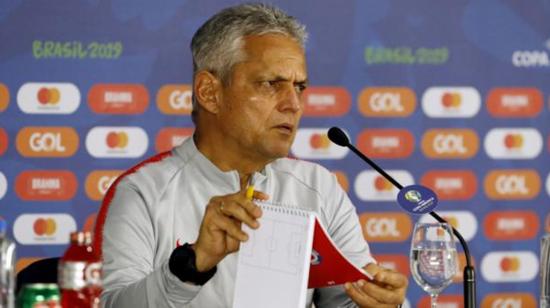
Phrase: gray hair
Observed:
(217, 45)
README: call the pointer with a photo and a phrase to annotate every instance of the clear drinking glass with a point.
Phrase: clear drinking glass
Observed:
(433, 257)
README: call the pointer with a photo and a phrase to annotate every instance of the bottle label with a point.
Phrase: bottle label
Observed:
(77, 275)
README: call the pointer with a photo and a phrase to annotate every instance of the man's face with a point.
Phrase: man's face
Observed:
(261, 104)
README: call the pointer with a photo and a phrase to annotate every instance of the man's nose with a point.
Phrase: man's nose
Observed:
(291, 100)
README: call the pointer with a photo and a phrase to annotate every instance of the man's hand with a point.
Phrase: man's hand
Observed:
(220, 233)
(387, 289)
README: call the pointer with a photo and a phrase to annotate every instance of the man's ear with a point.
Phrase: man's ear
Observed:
(207, 90)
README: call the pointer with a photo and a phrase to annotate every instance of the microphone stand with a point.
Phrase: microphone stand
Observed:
(337, 136)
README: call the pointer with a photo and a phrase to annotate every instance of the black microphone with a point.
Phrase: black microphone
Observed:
(337, 136)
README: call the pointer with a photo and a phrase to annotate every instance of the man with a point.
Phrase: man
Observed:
(169, 228)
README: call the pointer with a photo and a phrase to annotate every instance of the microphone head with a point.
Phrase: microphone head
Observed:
(338, 136)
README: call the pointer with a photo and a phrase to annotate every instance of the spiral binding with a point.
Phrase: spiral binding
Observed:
(282, 208)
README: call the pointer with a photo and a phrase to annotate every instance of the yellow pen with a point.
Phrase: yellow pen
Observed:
(250, 192)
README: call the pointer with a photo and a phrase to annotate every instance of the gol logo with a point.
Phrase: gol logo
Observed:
(342, 179)
(99, 181)
(116, 140)
(118, 98)
(509, 300)
(450, 143)
(512, 184)
(4, 97)
(170, 137)
(47, 141)
(513, 141)
(386, 143)
(398, 263)
(48, 96)
(326, 101)
(44, 226)
(319, 141)
(176, 99)
(46, 185)
(514, 102)
(387, 102)
(451, 100)
(451, 184)
(3, 141)
(443, 300)
(511, 225)
(386, 226)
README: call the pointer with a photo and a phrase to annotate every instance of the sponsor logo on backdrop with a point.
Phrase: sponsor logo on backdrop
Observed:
(170, 137)
(451, 184)
(548, 184)
(313, 143)
(24, 262)
(371, 186)
(48, 98)
(118, 98)
(36, 141)
(510, 266)
(399, 263)
(43, 229)
(547, 223)
(463, 221)
(99, 181)
(387, 102)
(342, 179)
(513, 143)
(4, 140)
(530, 58)
(514, 102)
(515, 184)
(4, 97)
(176, 99)
(386, 143)
(3, 185)
(116, 142)
(509, 300)
(386, 226)
(405, 55)
(451, 102)
(89, 223)
(511, 225)
(443, 301)
(450, 143)
(326, 101)
(46, 185)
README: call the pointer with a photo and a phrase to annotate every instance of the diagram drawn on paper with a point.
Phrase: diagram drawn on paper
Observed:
(277, 246)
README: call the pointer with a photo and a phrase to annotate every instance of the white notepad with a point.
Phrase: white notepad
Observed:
(273, 265)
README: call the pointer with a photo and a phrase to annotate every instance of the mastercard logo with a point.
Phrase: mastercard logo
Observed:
(371, 186)
(3, 185)
(464, 221)
(399, 263)
(443, 300)
(451, 102)
(4, 97)
(387, 102)
(326, 101)
(511, 225)
(382, 184)
(116, 140)
(450, 143)
(46, 185)
(43, 229)
(47, 141)
(98, 182)
(44, 226)
(451, 184)
(510, 266)
(171, 137)
(514, 102)
(48, 98)
(386, 143)
(3, 141)
(386, 226)
(513, 143)
(342, 179)
(319, 141)
(175, 99)
(118, 98)
(515, 184)
(508, 300)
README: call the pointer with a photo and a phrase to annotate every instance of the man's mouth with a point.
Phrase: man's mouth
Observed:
(285, 128)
